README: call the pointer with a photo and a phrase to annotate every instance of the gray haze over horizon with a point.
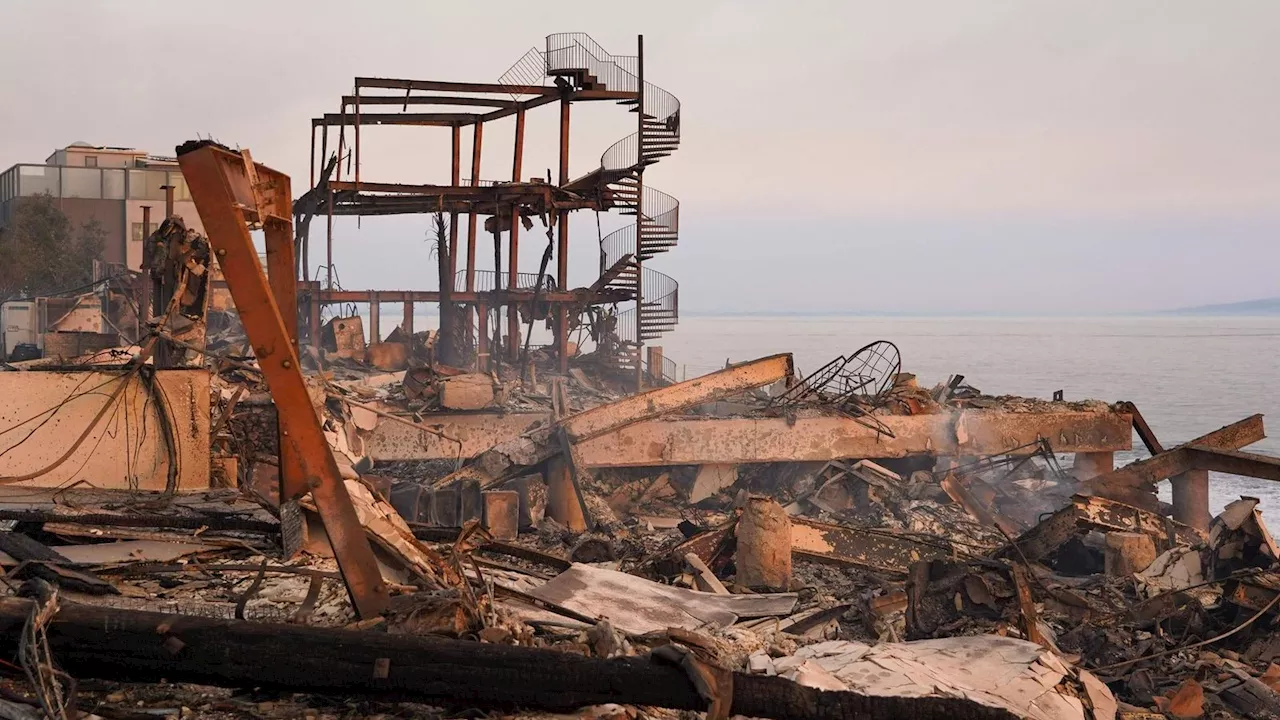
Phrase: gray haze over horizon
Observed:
(945, 156)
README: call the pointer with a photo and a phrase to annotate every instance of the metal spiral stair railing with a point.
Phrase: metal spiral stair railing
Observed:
(658, 214)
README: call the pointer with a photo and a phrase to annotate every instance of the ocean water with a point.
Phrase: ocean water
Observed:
(1188, 375)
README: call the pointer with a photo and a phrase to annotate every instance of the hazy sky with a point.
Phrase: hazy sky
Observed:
(953, 155)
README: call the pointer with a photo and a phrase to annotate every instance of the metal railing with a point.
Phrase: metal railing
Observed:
(618, 244)
(661, 209)
(526, 73)
(573, 52)
(667, 373)
(487, 280)
(661, 300)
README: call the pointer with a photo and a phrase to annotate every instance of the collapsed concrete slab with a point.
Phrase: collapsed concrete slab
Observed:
(811, 437)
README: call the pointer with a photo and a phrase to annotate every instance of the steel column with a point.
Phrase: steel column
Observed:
(220, 185)
(562, 244)
(476, 143)
(455, 176)
(513, 308)
(284, 288)
(517, 162)
(1191, 498)
(375, 317)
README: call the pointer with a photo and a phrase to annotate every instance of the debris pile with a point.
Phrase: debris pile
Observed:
(392, 535)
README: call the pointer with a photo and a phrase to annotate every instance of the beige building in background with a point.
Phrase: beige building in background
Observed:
(107, 184)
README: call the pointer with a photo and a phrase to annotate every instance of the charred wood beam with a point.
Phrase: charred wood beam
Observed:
(150, 520)
(128, 645)
(40, 560)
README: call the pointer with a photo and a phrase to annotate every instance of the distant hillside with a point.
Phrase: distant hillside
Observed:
(1265, 306)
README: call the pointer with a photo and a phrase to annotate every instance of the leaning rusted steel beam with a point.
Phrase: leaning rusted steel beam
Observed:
(1145, 473)
(1141, 427)
(230, 191)
(539, 445)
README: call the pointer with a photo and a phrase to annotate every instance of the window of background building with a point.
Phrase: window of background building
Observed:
(113, 184)
(146, 184)
(81, 182)
(179, 183)
(37, 179)
(91, 161)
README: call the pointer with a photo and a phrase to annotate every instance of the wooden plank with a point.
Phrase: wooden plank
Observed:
(43, 562)
(640, 606)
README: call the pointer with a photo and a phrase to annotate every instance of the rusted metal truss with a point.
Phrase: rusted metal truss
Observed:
(232, 193)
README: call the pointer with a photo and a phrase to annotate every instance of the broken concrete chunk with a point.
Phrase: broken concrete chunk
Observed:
(387, 355)
(1128, 553)
(764, 545)
(473, 391)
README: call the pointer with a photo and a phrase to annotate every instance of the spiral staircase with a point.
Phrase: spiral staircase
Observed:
(619, 182)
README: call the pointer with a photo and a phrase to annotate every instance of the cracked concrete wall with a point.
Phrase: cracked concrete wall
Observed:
(44, 412)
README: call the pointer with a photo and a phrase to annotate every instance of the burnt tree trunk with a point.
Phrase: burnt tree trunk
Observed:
(452, 347)
(129, 645)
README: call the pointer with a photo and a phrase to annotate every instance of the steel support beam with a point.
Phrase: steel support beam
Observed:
(441, 86)
(278, 236)
(1234, 462)
(426, 119)
(1135, 482)
(477, 143)
(229, 193)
